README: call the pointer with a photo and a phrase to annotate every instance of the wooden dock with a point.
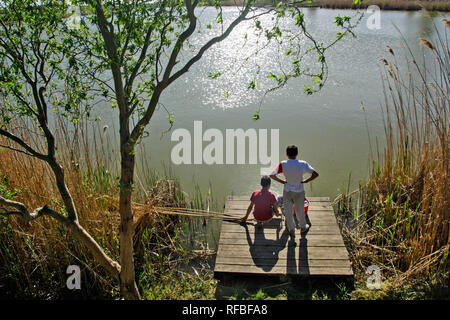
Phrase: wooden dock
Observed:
(269, 250)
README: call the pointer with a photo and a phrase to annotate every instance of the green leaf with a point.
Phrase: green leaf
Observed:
(214, 75)
(308, 90)
(272, 76)
(252, 85)
(299, 19)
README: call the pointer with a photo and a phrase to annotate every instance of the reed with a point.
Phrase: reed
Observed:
(401, 219)
(429, 5)
(34, 256)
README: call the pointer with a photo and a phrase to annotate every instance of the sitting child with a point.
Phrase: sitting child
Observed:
(264, 202)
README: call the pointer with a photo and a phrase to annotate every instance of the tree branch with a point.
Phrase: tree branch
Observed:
(181, 39)
(209, 44)
(110, 265)
(167, 78)
(113, 55)
(29, 216)
(24, 145)
(147, 42)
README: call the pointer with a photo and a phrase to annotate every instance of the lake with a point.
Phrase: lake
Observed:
(333, 133)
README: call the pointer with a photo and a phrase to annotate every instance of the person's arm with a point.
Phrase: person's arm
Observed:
(249, 209)
(275, 208)
(278, 170)
(312, 177)
(274, 177)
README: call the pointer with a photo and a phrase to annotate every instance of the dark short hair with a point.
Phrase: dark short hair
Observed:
(265, 181)
(292, 151)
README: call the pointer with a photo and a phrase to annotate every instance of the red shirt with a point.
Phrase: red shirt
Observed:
(262, 200)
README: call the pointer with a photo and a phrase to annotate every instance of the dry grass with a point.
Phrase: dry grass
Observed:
(431, 5)
(34, 256)
(401, 220)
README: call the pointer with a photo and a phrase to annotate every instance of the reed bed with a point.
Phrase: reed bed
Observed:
(400, 219)
(34, 256)
(429, 5)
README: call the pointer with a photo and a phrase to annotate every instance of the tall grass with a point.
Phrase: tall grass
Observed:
(431, 5)
(402, 216)
(34, 256)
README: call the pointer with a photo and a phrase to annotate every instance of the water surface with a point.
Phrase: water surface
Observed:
(329, 127)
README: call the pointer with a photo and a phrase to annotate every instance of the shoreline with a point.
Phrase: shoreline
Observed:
(394, 5)
(407, 5)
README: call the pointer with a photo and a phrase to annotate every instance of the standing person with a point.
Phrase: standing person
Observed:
(293, 191)
(265, 203)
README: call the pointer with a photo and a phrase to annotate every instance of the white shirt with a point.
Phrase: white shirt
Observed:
(293, 171)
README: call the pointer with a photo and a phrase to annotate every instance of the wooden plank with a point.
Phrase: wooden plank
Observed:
(277, 222)
(312, 202)
(251, 223)
(245, 261)
(274, 235)
(269, 251)
(272, 229)
(260, 235)
(283, 270)
(312, 242)
(331, 222)
(240, 239)
(241, 205)
(311, 210)
(319, 216)
(247, 198)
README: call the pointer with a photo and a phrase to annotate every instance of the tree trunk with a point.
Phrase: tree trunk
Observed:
(128, 286)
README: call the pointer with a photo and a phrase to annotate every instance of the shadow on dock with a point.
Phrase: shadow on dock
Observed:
(270, 258)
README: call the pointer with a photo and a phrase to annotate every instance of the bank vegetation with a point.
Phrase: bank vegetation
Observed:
(399, 221)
